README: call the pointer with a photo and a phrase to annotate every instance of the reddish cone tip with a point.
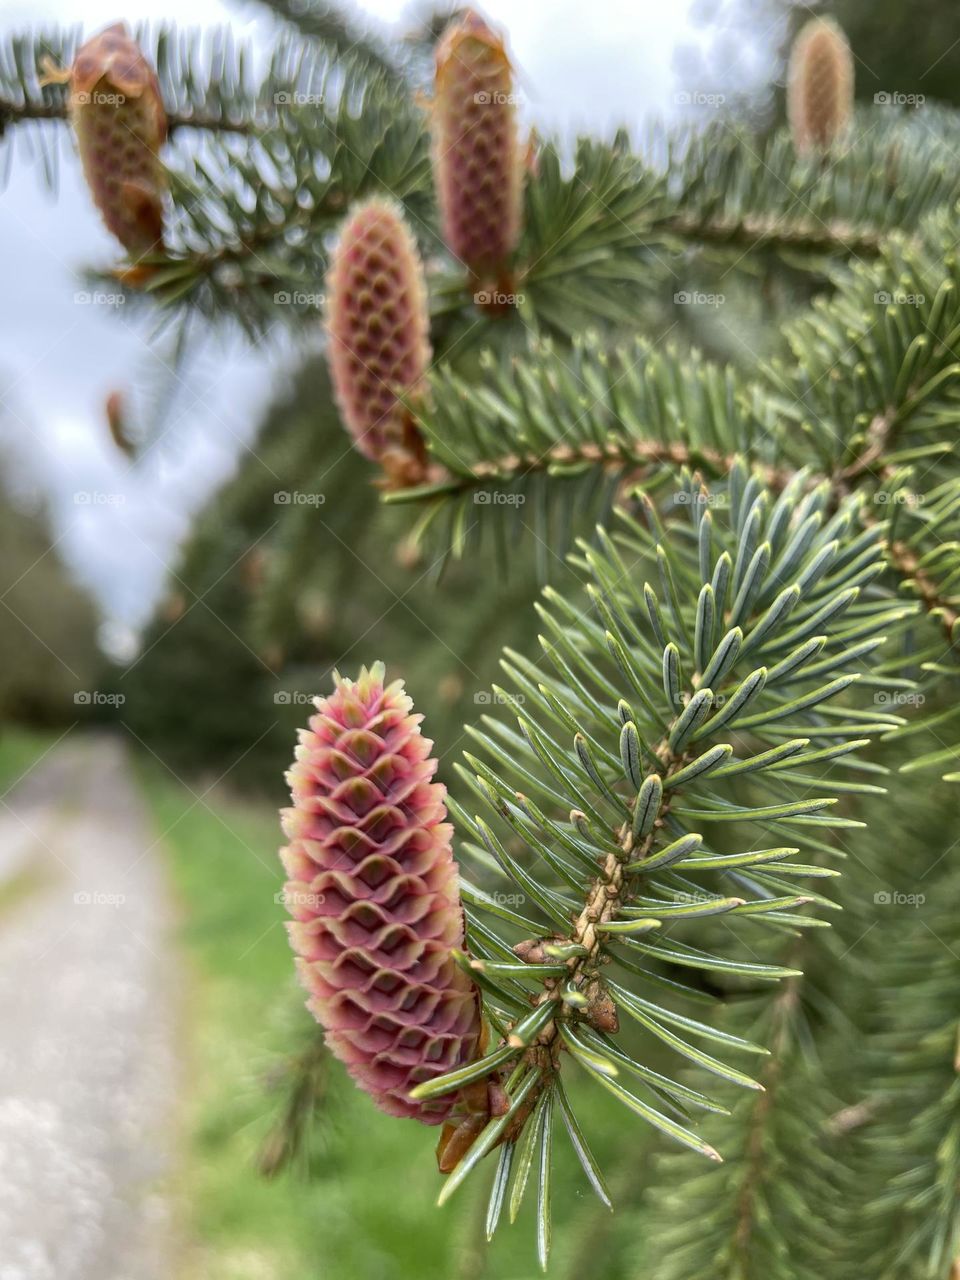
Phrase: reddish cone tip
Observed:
(373, 893)
(477, 161)
(378, 327)
(120, 126)
(819, 85)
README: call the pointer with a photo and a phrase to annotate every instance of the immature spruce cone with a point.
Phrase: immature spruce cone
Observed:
(118, 423)
(373, 892)
(120, 125)
(477, 161)
(379, 336)
(819, 85)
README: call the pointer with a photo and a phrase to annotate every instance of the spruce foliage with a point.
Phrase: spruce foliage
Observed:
(694, 827)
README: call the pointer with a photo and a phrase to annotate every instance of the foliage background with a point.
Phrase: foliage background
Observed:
(265, 599)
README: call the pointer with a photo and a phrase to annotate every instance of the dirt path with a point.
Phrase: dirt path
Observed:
(87, 1064)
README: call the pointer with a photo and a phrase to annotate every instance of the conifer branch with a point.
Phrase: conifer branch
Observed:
(749, 233)
(762, 194)
(634, 458)
(716, 620)
(747, 624)
(330, 26)
(907, 564)
(783, 1012)
(869, 401)
(13, 113)
(900, 1206)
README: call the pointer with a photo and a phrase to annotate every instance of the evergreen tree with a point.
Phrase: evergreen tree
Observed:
(49, 663)
(749, 652)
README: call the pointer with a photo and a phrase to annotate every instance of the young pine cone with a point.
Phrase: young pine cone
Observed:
(477, 161)
(819, 85)
(379, 330)
(373, 892)
(120, 125)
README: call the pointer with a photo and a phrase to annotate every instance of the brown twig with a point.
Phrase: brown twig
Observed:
(879, 439)
(784, 1005)
(608, 893)
(17, 112)
(775, 233)
(907, 564)
(617, 455)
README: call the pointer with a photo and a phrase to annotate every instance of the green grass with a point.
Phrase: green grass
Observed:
(19, 749)
(368, 1211)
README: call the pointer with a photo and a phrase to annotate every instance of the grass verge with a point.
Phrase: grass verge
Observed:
(19, 749)
(367, 1211)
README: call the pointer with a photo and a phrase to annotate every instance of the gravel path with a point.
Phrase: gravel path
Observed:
(87, 1064)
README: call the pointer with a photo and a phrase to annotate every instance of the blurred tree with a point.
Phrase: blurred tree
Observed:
(48, 650)
(903, 48)
(741, 54)
(278, 585)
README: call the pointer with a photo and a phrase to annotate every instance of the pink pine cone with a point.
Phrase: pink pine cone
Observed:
(374, 896)
(477, 163)
(379, 328)
(120, 125)
(819, 85)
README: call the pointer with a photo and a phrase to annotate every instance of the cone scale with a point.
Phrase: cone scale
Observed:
(477, 159)
(378, 328)
(120, 125)
(374, 897)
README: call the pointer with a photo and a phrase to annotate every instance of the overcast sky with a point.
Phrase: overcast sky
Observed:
(61, 355)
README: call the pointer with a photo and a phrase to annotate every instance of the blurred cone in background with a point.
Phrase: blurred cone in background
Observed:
(120, 125)
(819, 85)
(478, 163)
(118, 423)
(378, 326)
